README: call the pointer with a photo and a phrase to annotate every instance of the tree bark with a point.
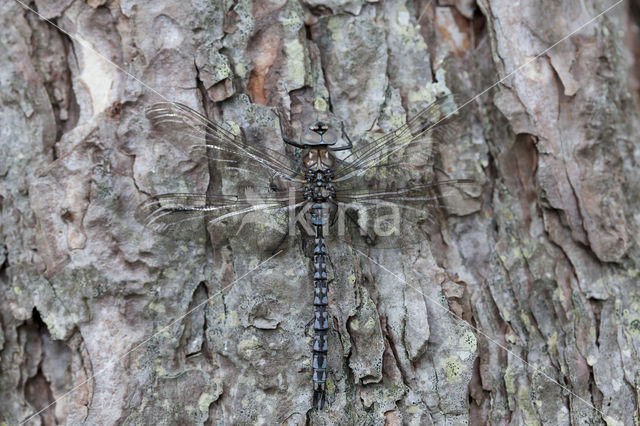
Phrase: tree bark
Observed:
(523, 306)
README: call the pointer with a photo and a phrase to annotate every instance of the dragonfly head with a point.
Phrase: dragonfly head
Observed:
(319, 135)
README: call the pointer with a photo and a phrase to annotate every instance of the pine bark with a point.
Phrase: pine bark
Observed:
(521, 307)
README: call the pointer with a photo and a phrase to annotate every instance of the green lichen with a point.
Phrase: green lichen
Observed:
(559, 294)
(524, 401)
(527, 323)
(452, 368)
(319, 87)
(505, 314)
(396, 120)
(335, 27)
(233, 127)
(320, 104)
(424, 94)
(634, 326)
(414, 409)
(289, 21)
(241, 70)
(292, 19)
(295, 62)
(510, 380)
(552, 343)
(610, 421)
(370, 324)
(517, 253)
(527, 250)
(468, 342)
(160, 370)
(157, 307)
(205, 401)
(355, 324)
(221, 72)
(248, 346)
(522, 395)
(233, 319)
(331, 386)
(54, 330)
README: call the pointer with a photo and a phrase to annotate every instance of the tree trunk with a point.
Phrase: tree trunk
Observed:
(523, 306)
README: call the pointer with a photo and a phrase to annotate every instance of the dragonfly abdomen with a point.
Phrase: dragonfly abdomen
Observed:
(320, 302)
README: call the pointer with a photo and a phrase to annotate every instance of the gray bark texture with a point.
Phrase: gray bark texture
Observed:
(521, 307)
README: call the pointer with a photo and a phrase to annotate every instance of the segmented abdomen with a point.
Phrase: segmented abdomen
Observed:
(321, 323)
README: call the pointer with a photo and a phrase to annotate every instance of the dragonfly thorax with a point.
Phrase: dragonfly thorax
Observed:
(319, 190)
(319, 187)
(318, 159)
(318, 164)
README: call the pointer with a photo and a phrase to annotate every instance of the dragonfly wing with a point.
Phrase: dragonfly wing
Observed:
(199, 137)
(258, 219)
(395, 217)
(388, 184)
(407, 151)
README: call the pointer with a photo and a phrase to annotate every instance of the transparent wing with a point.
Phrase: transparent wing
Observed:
(257, 221)
(197, 136)
(386, 187)
(391, 218)
(406, 152)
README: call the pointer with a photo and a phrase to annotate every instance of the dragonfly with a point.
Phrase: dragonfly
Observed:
(376, 192)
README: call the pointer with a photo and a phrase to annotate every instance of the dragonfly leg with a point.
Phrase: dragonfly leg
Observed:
(363, 232)
(284, 138)
(284, 237)
(346, 135)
